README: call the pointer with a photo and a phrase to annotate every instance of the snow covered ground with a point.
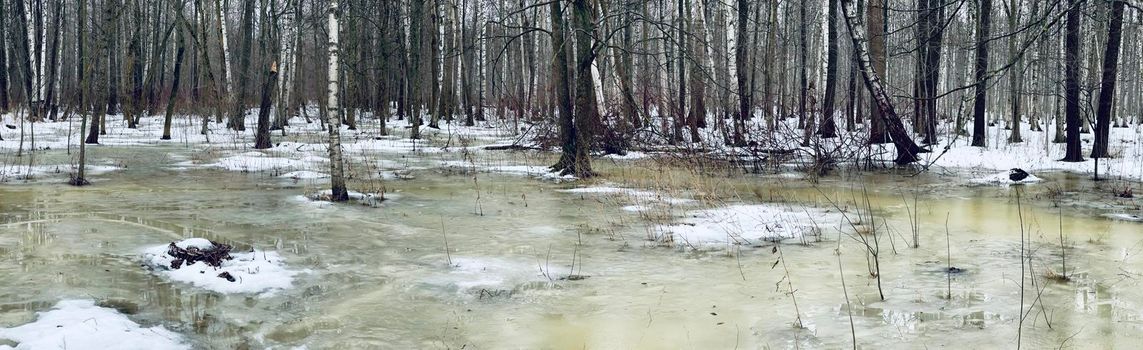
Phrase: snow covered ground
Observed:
(749, 224)
(80, 324)
(1003, 179)
(10, 172)
(258, 272)
(1038, 154)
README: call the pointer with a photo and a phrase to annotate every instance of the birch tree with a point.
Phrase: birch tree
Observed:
(337, 171)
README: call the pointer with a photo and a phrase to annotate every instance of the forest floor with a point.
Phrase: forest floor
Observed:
(684, 204)
(302, 153)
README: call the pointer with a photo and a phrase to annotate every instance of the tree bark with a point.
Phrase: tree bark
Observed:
(561, 85)
(270, 80)
(979, 126)
(338, 191)
(741, 60)
(1107, 86)
(238, 115)
(829, 127)
(1071, 83)
(907, 150)
(4, 102)
(876, 43)
(173, 98)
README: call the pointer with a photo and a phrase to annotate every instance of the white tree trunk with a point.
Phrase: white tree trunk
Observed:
(289, 57)
(337, 176)
(225, 47)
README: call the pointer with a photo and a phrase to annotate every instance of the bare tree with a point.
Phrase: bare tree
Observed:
(337, 168)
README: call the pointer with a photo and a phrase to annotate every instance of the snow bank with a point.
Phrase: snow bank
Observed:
(538, 171)
(1124, 217)
(24, 172)
(1001, 178)
(744, 224)
(79, 324)
(256, 161)
(631, 155)
(259, 272)
(304, 175)
(1037, 153)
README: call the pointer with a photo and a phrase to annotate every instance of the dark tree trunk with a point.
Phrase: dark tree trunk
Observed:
(877, 39)
(934, 39)
(135, 67)
(829, 127)
(4, 69)
(741, 60)
(1071, 83)
(979, 126)
(1107, 86)
(269, 81)
(113, 58)
(238, 115)
(49, 104)
(561, 85)
(696, 116)
(173, 98)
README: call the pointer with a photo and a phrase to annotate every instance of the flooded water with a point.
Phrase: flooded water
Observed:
(530, 267)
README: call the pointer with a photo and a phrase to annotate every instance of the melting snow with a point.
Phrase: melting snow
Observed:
(80, 324)
(258, 272)
(745, 223)
(1001, 178)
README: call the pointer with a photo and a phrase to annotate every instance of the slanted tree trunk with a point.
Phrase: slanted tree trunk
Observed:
(337, 171)
(907, 150)
(979, 126)
(1107, 86)
(1071, 83)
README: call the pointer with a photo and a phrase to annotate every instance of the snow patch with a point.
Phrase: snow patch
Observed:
(1001, 178)
(258, 272)
(631, 155)
(1124, 217)
(743, 224)
(80, 324)
(304, 175)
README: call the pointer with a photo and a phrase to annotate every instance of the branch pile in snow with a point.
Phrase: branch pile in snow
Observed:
(221, 270)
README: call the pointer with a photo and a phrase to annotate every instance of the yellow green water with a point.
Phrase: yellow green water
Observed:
(380, 277)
